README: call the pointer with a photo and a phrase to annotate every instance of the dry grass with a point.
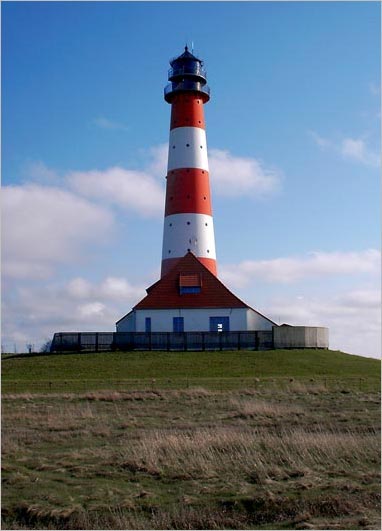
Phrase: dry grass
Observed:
(257, 455)
(191, 459)
(264, 408)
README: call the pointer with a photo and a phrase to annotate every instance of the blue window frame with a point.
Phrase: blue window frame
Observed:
(148, 325)
(219, 324)
(190, 289)
(178, 324)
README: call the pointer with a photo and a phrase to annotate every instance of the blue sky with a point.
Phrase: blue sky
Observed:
(293, 129)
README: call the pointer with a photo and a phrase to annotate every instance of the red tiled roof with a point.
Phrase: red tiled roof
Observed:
(190, 280)
(165, 293)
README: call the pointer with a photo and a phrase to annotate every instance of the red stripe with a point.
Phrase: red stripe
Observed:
(188, 190)
(169, 263)
(187, 111)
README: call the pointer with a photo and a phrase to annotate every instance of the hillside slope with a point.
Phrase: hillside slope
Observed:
(304, 363)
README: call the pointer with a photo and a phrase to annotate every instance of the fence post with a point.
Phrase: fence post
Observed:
(238, 341)
(220, 341)
(150, 345)
(96, 341)
(168, 340)
(79, 341)
(257, 340)
(184, 340)
(203, 341)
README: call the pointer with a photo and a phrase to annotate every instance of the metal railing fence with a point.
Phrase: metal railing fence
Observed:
(125, 341)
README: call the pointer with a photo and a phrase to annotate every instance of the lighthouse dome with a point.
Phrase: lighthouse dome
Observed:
(187, 74)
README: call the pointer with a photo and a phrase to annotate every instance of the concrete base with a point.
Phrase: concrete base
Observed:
(300, 337)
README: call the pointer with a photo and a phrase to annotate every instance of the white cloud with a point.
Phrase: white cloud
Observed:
(92, 309)
(353, 149)
(236, 176)
(319, 140)
(111, 288)
(362, 298)
(134, 190)
(316, 264)
(105, 123)
(79, 288)
(33, 312)
(43, 226)
(115, 288)
(40, 172)
(356, 149)
(157, 166)
(353, 318)
(352, 315)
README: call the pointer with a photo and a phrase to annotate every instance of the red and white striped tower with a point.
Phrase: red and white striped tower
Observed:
(188, 223)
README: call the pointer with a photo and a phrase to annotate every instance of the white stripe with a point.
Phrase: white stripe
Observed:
(187, 148)
(183, 232)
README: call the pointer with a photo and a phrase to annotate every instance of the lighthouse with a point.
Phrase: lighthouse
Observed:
(188, 223)
(189, 297)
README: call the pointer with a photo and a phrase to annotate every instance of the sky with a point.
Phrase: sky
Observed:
(293, 133)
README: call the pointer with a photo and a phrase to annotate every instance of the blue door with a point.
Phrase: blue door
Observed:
(219, 324)
(178, 324)
(148, 325)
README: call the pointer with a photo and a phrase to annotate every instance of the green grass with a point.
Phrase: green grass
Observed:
(304, 363)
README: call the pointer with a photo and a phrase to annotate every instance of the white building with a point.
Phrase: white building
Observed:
(189, 298)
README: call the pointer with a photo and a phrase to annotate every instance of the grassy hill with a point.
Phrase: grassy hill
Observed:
(172, 369)
(211, 440)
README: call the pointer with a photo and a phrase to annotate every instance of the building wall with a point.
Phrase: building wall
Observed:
(195, 320)
(256, 321)
(301, 337)
(127, 323)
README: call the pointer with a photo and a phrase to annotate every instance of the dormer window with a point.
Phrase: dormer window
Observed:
(190, 283)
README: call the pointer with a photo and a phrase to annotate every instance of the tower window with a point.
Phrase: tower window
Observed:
(206, 224)
(188, 222)
(173, 147)
(188, 145)
(201, 147)
(169, 252)
(170, 224)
